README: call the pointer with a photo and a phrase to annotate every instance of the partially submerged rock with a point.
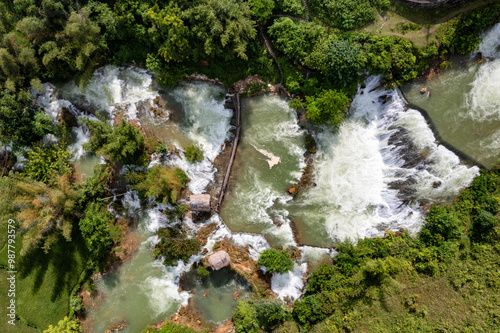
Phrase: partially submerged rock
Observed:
(219, 260)
(200, 202)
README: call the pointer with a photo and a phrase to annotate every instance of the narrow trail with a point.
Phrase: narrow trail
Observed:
(307, 9)
(307, 19)
(270, 50)
(291, 17)
(233, 153)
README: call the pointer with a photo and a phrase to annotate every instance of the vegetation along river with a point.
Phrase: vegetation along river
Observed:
(377, 171)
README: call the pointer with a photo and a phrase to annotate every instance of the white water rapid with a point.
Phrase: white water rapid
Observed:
(376, 170)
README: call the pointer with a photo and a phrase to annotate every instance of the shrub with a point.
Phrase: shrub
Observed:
(245, 318)
(161, 148)
(322, 279)
(440, 226)
(95, 230)
(275, 261)
(327, 108)
(202, 271)
(121, 143)
(172, 328)
(21, 121)
(46, 162)
(484, 223)
(76, 304)
(308, 311)
(65, 325)
(262, 9)
(345, 14)
(165, 184)
(342, 58)
(193, 154)
(270, 313)
(174, 246)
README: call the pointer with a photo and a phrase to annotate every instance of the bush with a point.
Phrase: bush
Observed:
(193, 154)
(95, 230)
(245, 318)
(121, 143)
(342, 59)
(76, 304)
(440, 226)
(172, 328)
(322, 279)
(308, 311)
(161, 148)
(174, 246)
(328, 108)
(202, 271)
(22, 122)
(46, 162)
(484, 223)
(270, 313)
(275, 261)
(262, 9)
(165, 184)
(345, 14)
(65, 326)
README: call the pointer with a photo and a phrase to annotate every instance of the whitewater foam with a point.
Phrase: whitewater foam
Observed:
(289, 285)
(383, 161)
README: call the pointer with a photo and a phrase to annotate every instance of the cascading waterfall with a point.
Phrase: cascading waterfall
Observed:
(206, 123)
(374, 172)
(465, 101)
(371, 175)
(112, 89)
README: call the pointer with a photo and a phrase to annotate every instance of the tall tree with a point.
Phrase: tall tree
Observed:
(168, 32)
(224, 27)
(44, 213)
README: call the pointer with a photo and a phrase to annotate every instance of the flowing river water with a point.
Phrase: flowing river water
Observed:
(372, 174)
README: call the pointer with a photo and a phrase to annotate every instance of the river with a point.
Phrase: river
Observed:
(378, 171)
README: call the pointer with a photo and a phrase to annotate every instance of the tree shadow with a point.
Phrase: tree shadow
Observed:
(63, 265)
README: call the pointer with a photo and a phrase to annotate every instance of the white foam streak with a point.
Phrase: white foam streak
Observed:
(289, 285)
(356, 166)
(491, 42)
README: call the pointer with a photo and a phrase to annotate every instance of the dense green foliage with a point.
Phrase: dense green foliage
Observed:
(254, 315)
(328, 107)
(342, 63)
(47, 162)
(21, 121)
(162, 183)
(193, 154)
(122, 143)
(275, 261)
(174, 245)
(95, 230)
(65, 326)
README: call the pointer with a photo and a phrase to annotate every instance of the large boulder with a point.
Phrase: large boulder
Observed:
(219, 260)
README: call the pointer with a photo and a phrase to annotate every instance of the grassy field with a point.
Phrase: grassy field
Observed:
(429, 19)
(467, 299)
(44, 283)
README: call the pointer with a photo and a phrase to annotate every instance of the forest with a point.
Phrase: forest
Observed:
(445, 278)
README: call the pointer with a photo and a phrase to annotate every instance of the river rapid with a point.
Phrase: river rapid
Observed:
(378, 171)
(464, 101)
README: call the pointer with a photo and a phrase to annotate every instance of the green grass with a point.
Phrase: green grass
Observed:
(44, 283)
(429, 19)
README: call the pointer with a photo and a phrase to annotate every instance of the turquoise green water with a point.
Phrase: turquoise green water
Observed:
(257, 191)
(216, 296)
